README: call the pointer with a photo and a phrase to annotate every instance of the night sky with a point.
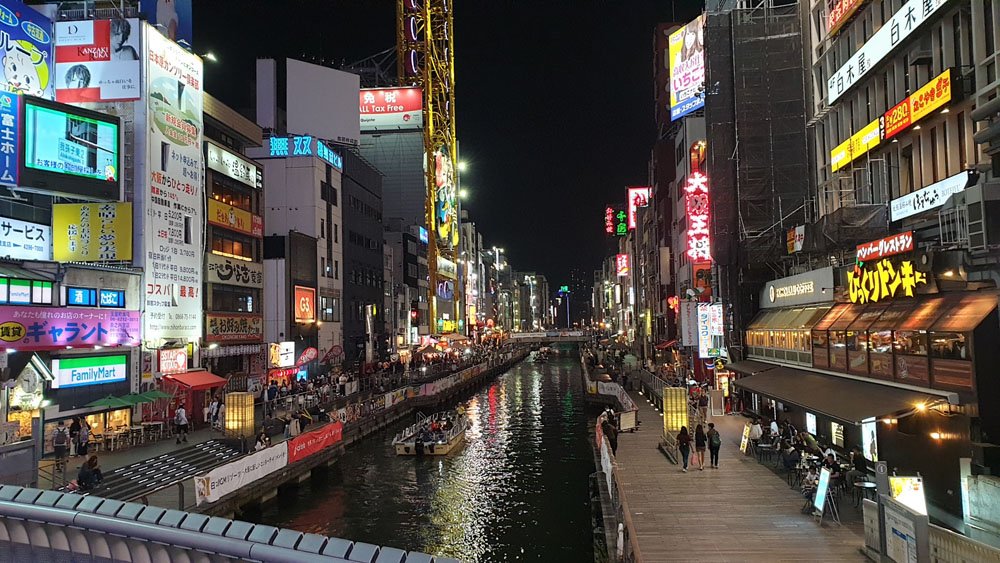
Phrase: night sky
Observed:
(554, 101)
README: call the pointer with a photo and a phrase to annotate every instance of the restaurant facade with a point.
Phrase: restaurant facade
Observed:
(892, 354)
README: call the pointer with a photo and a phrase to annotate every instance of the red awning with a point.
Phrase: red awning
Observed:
(666, 344)
(196, 380)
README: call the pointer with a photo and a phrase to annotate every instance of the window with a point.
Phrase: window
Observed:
(235, 299)
(24, 292)
(880, 341)
(913, 343)
(934, 156)
(232, 194)
(819, 339)
(948, 346)
(232, 244)
(963, 159)
(322, 266)
(336, 269)
(322, 228)
(988, 21)
(327, 308)
(336, 232)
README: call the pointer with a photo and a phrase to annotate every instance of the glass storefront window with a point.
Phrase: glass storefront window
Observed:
(949, 345)
(910, 342)
(819, 339)
(838, 339)
(102, 423)
(880, 341)
(856, 340)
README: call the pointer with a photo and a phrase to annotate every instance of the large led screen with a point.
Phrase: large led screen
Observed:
(69, 150)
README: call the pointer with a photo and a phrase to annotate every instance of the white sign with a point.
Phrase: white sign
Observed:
(92, 370)
(230, 477)
(281, 355)
(715, 321)
(220, 269)
(811, 423)
(98, 60)
(903, 23)
(172, 184)
(234, 166)
(391, 108)
(704, 329)
(21, 240)
(931, 197)
(689, 323)
(447, 268)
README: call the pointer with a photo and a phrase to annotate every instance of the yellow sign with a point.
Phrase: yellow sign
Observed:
(234, 218)
(930, 96)
(91, 232)
(860, 143)
(675, 410)
(745, 439)
(883, 281)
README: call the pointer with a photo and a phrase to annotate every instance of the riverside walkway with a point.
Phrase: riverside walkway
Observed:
(742, 511)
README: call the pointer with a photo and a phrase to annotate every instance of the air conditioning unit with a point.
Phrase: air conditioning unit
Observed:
(983, 203)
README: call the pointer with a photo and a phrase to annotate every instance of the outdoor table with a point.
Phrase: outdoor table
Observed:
(863, 489)
(114, 437)
(154, 429)
(136, 434)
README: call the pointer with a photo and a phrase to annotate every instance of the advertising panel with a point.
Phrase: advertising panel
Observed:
(315, 441)
(795, 238)
(233, 165)
(883, 280)
(91, 232)
(223, 215)
(220, 269)
(638, 196)
(704, 330)
(98, 60)
(303, 145)
(615, 221)
(857, 145)
(234, 327)
(321, 102)
(175, 17)
(305, 304)
(243, 472)
(811, 423)
(447, 268)
(69, 150)
(281, 355)
(172, 216)
(22, 240)
(50, 328)
(621, 265)
(10, 137)
(687, 69)
(172, 360)
(888, 246)
(822, 488)
(716, 319)
(931, 197)
(892, 33)
(445, 199)
(918, 105)
(814, 286)
(839, 12)
(92, 370)
(909, 491)
(869, 440)
(689, 323)
(696, 203)
(391, 108)
(28, 50)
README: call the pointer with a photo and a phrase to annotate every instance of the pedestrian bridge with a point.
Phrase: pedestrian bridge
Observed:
(548, 337)
(52, 526)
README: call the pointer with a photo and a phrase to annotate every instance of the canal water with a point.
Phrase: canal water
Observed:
(517, 491)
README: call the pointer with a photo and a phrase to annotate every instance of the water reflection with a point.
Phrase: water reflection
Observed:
(517, 491)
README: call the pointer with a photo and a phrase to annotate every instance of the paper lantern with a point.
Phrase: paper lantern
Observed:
(239, 416)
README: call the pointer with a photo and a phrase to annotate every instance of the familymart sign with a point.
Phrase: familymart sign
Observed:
(92, 370)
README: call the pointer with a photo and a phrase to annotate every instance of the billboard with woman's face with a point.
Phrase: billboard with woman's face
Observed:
(687, 69)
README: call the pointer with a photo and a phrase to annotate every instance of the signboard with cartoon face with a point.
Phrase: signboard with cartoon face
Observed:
(26, 39)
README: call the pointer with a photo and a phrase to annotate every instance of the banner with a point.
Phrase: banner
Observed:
(49, 328)
(243, 472)
(98, 60)
(687, 69)
(173, 200)
(314, 441)
(234, 327)
(223, 215)
(91, 232)
(704, 330)
(689, 323)
(391, 108)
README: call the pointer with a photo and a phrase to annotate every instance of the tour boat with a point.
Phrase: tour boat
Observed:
(419, 439)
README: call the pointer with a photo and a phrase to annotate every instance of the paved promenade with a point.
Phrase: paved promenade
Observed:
(740, 512)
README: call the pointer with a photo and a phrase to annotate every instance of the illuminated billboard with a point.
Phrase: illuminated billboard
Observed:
(28, 50)
(69, 150)
(696, 203)
(305, 304)
(445, 200)
(687, 69)
(622, 265)
(92, 232)
(98, 60)
(615, 221)
(391, 109)
(637, 197)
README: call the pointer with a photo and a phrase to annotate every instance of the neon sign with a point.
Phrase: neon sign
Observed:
(883, 281)
(637, 197)
(304, 145)
(696, 203)
(615, 221)
(622, 265)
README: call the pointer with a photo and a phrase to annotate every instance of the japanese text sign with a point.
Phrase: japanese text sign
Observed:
(916, 106)
(697, 206)
(931, 197)
(233, 327)
(315, 441)
(223, 215)
(892, 33)
(615, 221)
(637, 197)
(391, 108)
(687, 68)
(91, 232)
(173, 360)
(883, 280)
(622, 265)
(234, 272)
(839, 12)
(92, 370)
(888, 246)
(305, 304)
(52, 328)
(28, 58)
(21, 240)
(304, 145)
(98, 60)
(10, 142)
(234, 166)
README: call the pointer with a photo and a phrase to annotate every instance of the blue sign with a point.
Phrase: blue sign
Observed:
(112, 298)
(28, 51)
(302, 375)
(81, 296)
(172, 18)
(10, 143)
(304, 145)
(424, 238)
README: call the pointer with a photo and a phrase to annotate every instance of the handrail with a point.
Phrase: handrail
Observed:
(633, 539)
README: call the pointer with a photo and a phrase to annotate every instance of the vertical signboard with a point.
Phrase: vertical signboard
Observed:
(697, 205)
(687, 69)
(704, 329)
(172, 218)
(637, 197)
(28, 57)
(10, 143)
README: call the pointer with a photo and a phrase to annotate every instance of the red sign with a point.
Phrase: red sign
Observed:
(621, 265)
(609, 220)
(637, 197)
(308, 355)
(315, 441)
(840, 12)
(305, 304)
(390, 100)
(889, 246)
(173, 360)
(896, 119)
(697, 204)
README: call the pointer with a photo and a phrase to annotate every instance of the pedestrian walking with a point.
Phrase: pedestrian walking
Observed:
(74, 436)
(684, 445)
(60, 444)
(83, 439)
(181, 423)
(700, 441)
(714, 444)
(213, 412)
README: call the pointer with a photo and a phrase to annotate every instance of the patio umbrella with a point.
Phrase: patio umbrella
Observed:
(110, 402)
(156, 394)
(136, 398)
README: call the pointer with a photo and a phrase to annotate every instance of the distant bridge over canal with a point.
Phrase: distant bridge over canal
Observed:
(549, 337)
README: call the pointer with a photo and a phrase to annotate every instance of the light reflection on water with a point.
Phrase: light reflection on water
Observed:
(517, 491)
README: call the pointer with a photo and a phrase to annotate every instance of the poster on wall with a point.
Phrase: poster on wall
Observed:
(173, 225)
(869, 440)
(92, 232)
(28, 58)
(98, 60)
(391, 108)
(687, 69)
(23, 240)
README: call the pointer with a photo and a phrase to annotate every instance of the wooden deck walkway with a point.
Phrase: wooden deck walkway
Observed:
(740, 512)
